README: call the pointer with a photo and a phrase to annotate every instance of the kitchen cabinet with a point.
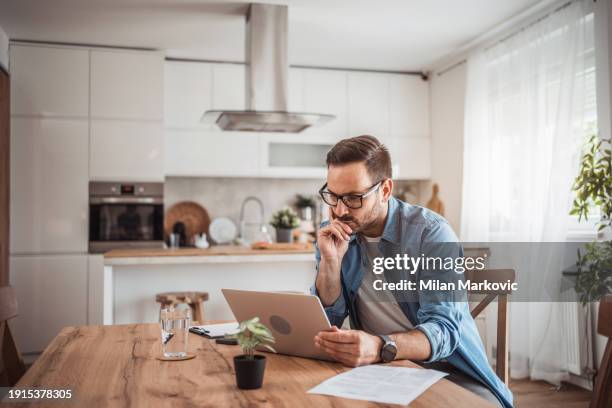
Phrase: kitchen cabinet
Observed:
(408, 105)
(95, 289)
(188, 93)
(127, 84)
(325, 91)
(368, 104)
(411, 156)
(212, 153)
(294, 157)
(392, 107)
(229, 92)
(126, 151)
(49, 81)
(191, 88)
(51, 293)
(49, 185)
(296, 89)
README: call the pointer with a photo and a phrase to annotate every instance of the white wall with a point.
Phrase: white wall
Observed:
(4, 50)
(447, 111)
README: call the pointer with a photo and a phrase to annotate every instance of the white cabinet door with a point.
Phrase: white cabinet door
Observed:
(294, 157)
(127, 84)
(51, 293)
(229, 90)
(126, 151)
(411, 157)
(192, 153)
(188, 93)
(368, 104)
(408, 105)
(49, 81)
(325, 92)
(49, 185)
(95, 290)
(296, 89)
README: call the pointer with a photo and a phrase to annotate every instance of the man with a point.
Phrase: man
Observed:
(367, 222)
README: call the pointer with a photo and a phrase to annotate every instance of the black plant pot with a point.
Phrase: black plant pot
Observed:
(249, 372)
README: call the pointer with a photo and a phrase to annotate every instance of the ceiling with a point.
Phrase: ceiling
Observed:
(397, 35)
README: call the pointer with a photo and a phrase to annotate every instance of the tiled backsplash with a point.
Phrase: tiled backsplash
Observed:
(223, 196)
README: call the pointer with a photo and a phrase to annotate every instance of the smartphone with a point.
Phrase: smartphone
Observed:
(229, 342)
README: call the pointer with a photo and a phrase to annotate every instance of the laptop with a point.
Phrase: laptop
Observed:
(293, 318)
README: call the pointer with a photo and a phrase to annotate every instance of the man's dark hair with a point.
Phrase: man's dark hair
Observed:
(365, 149)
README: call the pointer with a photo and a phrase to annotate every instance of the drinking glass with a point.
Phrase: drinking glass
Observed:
(174, 323)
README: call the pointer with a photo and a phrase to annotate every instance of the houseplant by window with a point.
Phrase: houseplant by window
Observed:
(593, 188)
(249, 366)
(284, 221)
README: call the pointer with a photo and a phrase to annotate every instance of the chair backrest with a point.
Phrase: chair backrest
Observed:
(8, 303)
(495, 276)
(11, 363)
(602, 393)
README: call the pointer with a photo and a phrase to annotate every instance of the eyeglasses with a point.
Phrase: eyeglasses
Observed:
(352, 201)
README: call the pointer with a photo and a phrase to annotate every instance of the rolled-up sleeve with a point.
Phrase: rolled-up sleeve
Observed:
(441, 324)
(441, 312)
(336, 313)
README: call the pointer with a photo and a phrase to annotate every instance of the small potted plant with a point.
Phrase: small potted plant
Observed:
(284, 221)
(249, 366)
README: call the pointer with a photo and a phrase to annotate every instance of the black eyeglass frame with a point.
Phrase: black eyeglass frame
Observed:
(369, 191)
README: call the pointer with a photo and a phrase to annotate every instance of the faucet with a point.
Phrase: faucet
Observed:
(261, 225)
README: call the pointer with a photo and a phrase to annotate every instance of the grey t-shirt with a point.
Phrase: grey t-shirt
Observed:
(378, 311)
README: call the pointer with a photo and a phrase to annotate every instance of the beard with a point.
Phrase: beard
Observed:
(358, 225)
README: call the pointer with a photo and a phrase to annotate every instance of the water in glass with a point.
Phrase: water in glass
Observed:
(174, 331)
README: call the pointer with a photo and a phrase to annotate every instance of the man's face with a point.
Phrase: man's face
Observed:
(353, 178)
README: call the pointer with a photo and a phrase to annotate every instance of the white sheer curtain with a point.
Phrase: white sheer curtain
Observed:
(527, 108)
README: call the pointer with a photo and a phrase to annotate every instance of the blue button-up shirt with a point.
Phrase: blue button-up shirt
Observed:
(444, 319)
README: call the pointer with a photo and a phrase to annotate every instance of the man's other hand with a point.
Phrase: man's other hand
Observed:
(350, 347)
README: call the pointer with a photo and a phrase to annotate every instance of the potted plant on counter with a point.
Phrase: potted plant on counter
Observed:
(249, 366)
(284, 221)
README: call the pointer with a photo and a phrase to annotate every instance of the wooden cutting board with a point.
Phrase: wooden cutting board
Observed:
(193, 215)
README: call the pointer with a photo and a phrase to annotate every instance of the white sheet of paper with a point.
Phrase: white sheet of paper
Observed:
(220, 329)
(380, 383)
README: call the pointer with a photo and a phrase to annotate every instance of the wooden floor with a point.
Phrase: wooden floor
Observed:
(540, 394)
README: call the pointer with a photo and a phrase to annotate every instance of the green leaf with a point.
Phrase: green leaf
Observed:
(270, 348)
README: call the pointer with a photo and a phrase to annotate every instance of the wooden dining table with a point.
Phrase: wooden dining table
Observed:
(116, 366)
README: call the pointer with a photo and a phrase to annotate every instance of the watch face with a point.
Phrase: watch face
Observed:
(388, 352)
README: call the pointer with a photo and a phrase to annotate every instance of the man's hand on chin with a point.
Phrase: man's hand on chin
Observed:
(350, 347)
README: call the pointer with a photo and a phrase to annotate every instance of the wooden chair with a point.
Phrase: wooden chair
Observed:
(602, 393)
(11, 362)
(501, 276)
(193, 299)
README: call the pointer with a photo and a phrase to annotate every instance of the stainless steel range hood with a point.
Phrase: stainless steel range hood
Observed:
(267, 71)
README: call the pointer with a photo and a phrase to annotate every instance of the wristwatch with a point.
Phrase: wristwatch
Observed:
(388, 350)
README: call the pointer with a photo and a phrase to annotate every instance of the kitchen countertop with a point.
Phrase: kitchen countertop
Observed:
(214, 254)
(222, 254)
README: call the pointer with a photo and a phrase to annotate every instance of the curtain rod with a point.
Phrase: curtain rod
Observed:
(513, 34)
(541, 18)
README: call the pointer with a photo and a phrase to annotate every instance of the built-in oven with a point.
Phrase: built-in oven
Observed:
(125, 215)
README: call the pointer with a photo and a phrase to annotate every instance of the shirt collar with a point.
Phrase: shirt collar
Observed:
(391, 231)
